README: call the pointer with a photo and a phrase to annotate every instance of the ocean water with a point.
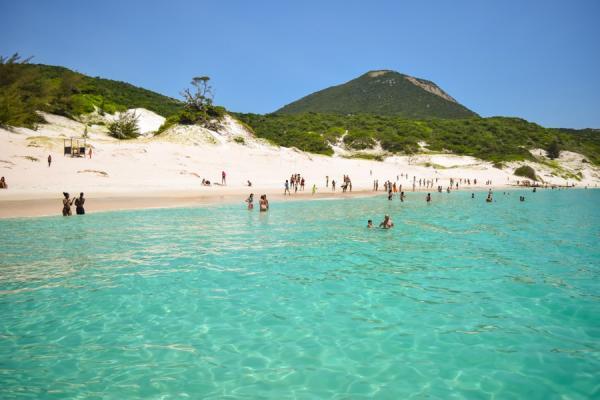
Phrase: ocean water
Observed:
(462, 299)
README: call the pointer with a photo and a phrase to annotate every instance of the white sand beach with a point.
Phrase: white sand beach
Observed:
(166, 170)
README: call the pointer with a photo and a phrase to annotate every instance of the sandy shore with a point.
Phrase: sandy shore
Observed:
(167, 170)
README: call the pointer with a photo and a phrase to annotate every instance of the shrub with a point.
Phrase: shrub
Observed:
(125, 126)
(239, 139)
(526, 171)
(553, 150)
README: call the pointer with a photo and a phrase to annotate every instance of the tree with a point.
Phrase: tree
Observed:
(198, 108)
(125, 126)
(553, 149)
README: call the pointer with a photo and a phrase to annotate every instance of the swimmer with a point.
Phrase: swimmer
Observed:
(370, 223)
(386, 223)
(428, 197)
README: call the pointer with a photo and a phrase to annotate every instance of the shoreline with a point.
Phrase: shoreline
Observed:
(31, 205)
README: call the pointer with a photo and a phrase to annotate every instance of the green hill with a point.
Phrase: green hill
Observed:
(382, 93)
(26, 88)
(496, 139)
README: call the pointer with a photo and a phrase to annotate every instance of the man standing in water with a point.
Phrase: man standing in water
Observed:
(428, 197)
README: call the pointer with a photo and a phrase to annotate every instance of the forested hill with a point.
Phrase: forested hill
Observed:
(26, 88)
(382, 93)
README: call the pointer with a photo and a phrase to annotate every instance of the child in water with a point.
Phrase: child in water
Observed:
(370, 223)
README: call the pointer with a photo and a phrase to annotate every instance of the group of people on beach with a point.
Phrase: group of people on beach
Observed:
(263, 203)
(68, 202)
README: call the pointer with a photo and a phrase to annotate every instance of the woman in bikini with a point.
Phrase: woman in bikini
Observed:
(67, 203)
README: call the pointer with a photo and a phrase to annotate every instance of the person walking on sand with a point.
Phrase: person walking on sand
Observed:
(67, 203)
(90, 153)
(287, 188)
(79, 202)
(250, 201)
(223, 176)
(314, 188)
(49, 160)
(326, 180)
(333, 185)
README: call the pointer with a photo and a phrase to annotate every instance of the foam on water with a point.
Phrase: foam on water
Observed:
(461, 299)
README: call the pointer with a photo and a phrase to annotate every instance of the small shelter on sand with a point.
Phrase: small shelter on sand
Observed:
(74, 147)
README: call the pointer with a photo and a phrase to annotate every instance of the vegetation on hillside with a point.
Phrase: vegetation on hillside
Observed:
(26, 88)
(495, 139)
(382, 93)
(125, 126)
(527, 172)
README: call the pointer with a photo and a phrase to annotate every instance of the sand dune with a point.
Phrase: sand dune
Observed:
(176, 161)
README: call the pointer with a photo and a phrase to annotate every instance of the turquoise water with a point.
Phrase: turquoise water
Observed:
(462, 299)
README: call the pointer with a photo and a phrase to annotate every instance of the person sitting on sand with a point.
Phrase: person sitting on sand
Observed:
(79, 202)
(250, 201)
(3, 184)
(370, 223)
(67, 203)
(386, 223)
(264, 203)
(249, 184)
(205, 182)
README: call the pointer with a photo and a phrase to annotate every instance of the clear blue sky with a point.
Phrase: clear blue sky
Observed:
(537, 59)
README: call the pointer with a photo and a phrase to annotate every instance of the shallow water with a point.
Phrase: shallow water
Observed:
(461, 299)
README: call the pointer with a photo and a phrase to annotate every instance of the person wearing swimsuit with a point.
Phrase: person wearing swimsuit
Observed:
(264, 203)
(250, 201)
(79, 202)
(67, 203)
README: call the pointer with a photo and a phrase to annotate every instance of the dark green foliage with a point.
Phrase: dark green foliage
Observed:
(27, 88)
(495, 139)
(553, 149)
(526, 171)
(382, 93)
(125, 126)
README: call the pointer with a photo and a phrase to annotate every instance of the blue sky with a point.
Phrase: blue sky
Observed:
(539, 60)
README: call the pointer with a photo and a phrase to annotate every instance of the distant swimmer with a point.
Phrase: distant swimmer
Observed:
(250, 201)
(521, 198)
(386, 223)
(472, 195)
(489, 197)
(428, 197)
(370, 223)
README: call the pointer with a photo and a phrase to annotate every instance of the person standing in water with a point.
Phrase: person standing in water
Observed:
(67, 203)
(370, 223)
(386, 223)
(250, 201)
(49, 160)
(428, 198)
(264, 203)
(402, 197)
(79, 202)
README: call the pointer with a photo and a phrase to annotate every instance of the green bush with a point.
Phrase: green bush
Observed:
(526, 171)
(239, 139)
(125, 126)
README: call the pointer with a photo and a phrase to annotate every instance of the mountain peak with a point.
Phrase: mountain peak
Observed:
(383, 92)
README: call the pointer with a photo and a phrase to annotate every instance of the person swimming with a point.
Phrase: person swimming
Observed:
(472, 195)
(67, 203)
(489, 197)
(250, 201)
(386, 223)
(79, 202)
(370, 223)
